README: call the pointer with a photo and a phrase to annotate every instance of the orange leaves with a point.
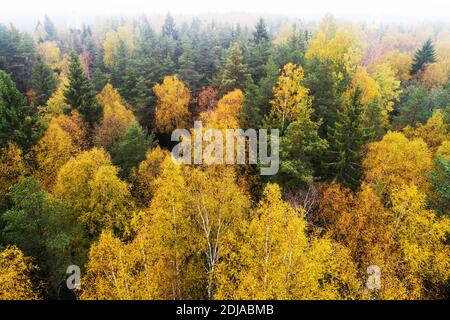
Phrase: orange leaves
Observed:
(226, 114)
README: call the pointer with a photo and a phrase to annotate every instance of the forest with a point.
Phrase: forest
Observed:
(87, 178)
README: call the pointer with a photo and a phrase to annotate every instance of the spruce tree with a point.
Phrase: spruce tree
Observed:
(43, 82)
(235, 74)
(15, 124)
(260, 35)
(50, 29)
(258, 52)
(168, 28)
(324, 86)
(80, 94)
(343, 158)
(188, 63)
(426, 54)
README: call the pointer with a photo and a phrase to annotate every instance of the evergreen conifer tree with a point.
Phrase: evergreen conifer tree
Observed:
(426, 54)
(343, 159)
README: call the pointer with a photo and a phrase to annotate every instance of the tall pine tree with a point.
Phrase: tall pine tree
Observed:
(235, 74)
(80, 94)
(426, 54)
(15, 124)
(343, 158)
(43, 82)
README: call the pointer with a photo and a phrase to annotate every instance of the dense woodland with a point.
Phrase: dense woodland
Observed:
(87, 179)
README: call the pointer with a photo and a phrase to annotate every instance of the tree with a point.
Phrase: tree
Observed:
(226, 114)
(188, 62)
(275, 253)
(108, 274)
(54, 107)
(145, 175)
(432, 75)
(260, 34)
(395, 161)
(299, 147)
(52, 152)
(132, 149)
(49, 53)
(117, 117)
(369, 230)
(15, 124)
(434, 132)
(44, 228)
(168, 28)
(173, 99)
(416, 107)
(426, 54)
(343, 158)
(324, 87)
(50, 29)
(43, 82)
(173, 229)
(17, 56)
(258, 51)
(217, 213)
(207, 99)
(400, 63)
(291, 99)
(75, 126)
(15, 275)
(440, 179)
(235, 74)
(89, 183)
(80, 94)
(339, 47)
(421, 237)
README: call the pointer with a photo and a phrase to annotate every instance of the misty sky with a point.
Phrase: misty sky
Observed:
(19, 11)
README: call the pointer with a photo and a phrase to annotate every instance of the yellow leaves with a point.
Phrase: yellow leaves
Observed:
(403, 238)
(370, 88)
(395, 161)
(116, 118)
(389, 87)
(110, 201)
(443, 152)
(342, 49)
(277, 261)
(89, 183)
(12, 166)
(421, 237)
(226, 114)
(52, 152)
(433, 75)
(111, 43)
(75, 126)
(358, 221)
(173, 99)
(107, 273)
(50, 53)
(55, 106)
(291, 99)
(15, 270)
(400, 63)
(433, 132)
(144, 177)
